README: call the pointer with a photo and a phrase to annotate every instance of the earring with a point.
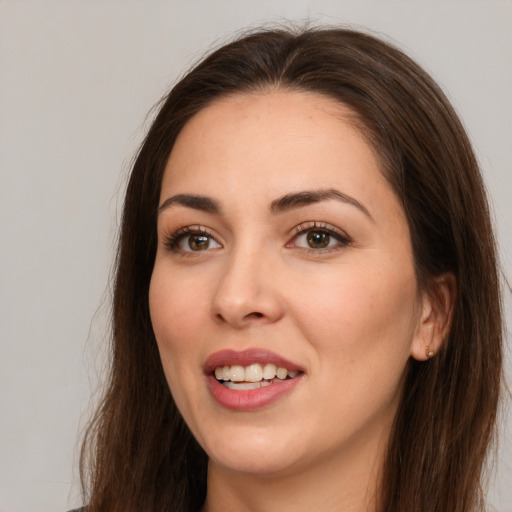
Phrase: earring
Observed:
(429, 352)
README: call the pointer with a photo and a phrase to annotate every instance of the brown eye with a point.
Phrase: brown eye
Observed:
(318, 239)
(189, 241)
(198, 242)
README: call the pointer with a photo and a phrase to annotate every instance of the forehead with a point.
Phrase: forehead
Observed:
(285, 132)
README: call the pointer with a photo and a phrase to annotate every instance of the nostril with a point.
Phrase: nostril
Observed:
(256, 314)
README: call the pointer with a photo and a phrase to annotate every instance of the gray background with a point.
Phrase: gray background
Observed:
(77, 79)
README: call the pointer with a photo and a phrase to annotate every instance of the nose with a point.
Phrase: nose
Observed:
(247, 292)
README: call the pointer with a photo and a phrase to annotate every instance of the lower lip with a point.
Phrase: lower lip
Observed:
(250, 399)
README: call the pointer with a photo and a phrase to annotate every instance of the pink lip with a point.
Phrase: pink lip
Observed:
(247, 357)
(250, 399)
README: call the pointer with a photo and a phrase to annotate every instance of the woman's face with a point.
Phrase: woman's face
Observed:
(281, 245)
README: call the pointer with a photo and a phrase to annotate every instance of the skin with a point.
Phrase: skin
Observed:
(350, 315)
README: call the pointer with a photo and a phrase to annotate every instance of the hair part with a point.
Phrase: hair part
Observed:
(138, 455)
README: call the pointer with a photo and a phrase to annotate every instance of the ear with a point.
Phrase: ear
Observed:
(437, 303)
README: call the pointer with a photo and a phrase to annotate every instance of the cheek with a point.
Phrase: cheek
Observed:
(361, 330)
(175, 306)
(361, 315)
(177, 316)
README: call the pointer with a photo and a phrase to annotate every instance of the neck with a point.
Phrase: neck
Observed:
(347, 482)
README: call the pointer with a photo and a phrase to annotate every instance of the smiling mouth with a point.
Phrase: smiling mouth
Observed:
(253, 376)
(251, 379)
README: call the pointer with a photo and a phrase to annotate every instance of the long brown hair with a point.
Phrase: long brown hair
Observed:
(138, 455)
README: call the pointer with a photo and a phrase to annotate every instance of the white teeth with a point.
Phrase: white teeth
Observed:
(269, 371)
(237, 373)
(242, 385)
(254, 373)
(249, 385)
(282, 373)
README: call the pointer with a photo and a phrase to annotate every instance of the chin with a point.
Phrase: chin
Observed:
(253, 452)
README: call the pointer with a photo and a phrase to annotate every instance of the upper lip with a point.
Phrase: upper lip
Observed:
(247, 357)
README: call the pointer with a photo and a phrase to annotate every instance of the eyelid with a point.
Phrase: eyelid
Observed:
(314, 224)
(172, 241)
(304, 227)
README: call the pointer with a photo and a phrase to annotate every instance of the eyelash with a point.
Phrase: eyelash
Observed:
(172, 242)
(320, 227)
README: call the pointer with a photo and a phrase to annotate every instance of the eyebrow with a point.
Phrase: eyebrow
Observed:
(203, 203)
(307, 197)
(282, 204)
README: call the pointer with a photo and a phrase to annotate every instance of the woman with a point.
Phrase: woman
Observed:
(306, 261)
